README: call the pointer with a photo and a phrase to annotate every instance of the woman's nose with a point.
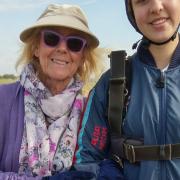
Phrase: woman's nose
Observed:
(62, 46)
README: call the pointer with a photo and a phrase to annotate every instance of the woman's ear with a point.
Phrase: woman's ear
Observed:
(36, 52)
(83, 58)
(84, 55)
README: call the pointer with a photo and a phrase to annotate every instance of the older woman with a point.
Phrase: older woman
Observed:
(40, 114)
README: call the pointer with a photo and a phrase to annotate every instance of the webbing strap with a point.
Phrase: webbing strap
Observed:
(151, 152)
(116, 91)
(121, 147)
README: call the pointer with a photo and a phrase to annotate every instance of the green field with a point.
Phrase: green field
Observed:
(85, 89)
(5, 80)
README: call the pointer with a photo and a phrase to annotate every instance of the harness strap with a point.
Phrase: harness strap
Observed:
(122, 147)
(151, 152)
(116, 86)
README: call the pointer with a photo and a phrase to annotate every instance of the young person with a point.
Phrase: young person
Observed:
(40, 113)
(153, 114)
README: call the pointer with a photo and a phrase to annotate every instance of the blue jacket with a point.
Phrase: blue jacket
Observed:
(153, 115)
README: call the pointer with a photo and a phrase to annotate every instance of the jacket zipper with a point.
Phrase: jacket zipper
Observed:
(162, 133)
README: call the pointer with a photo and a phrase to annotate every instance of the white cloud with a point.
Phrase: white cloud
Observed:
(88, 2)
(8, 5)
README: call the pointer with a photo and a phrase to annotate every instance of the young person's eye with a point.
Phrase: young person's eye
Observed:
(140, 1)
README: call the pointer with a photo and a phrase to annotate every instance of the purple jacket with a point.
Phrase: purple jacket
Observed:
(11, 129)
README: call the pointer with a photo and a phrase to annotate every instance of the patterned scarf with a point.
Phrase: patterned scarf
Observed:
(44, 150)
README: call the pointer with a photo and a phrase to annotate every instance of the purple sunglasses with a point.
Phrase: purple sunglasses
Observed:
(53, 39)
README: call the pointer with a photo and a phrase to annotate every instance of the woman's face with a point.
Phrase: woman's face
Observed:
(157, 19)
(59, 60)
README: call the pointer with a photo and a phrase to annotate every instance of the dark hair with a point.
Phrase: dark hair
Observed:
(130, 14)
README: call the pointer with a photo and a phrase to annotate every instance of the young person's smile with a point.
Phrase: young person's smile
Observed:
(159, 21)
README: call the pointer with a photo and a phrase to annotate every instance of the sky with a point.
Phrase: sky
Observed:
(107, 20)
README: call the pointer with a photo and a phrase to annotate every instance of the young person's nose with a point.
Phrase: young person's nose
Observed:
(156, 6)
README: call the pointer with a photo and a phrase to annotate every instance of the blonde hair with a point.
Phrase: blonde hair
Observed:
(92, 63)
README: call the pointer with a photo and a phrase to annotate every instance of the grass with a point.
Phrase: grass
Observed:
(88, 86)
(5, 80)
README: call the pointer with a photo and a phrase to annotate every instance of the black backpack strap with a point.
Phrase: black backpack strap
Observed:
(116, 91)
(119, 91)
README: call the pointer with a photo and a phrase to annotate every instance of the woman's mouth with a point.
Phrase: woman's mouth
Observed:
(59, 61)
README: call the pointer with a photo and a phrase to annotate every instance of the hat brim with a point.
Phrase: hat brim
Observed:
(62, 21)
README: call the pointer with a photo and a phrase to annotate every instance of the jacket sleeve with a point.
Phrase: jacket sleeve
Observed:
(12, 125)
(93, 141)
(93, 149)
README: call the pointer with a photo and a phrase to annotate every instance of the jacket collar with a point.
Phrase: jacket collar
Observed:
(147, 58)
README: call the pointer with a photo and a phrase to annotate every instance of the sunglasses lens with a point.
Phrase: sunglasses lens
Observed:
(75, 44)
(51, 39)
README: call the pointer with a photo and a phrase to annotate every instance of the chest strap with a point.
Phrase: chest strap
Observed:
(151, 152)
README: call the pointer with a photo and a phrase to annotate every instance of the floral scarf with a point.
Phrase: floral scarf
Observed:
(44, 150)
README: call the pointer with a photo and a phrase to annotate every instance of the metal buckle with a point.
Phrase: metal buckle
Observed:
(130, 153)
(118, 160)
(165, 152)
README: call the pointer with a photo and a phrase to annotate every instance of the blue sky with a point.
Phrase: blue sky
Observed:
(107, 19)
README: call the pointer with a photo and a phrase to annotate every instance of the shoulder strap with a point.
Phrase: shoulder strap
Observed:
(116, 91)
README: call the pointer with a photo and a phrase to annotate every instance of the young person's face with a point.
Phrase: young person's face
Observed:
(157, 19)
